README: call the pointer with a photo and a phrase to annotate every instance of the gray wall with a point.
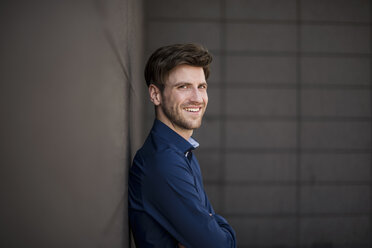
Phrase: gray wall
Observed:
(286, 142)
(71, 91)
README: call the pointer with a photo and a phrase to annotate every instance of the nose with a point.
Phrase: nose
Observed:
(196, 95)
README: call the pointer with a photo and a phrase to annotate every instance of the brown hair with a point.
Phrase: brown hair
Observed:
(164, 59)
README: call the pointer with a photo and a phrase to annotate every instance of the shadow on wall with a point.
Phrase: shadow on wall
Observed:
(67, 70)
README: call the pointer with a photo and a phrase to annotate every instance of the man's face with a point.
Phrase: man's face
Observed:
(184, 97)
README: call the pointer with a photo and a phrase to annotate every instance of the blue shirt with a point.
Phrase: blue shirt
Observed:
(167, 201)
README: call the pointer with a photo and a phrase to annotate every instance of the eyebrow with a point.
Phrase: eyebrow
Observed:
(188, 83)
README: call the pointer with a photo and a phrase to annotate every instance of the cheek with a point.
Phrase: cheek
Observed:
(174, 102)
(180, 98)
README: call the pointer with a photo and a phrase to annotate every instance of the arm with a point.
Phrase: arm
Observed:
(221, 221)
(174, 202)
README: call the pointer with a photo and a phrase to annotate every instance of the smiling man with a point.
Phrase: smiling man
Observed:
(168, 206)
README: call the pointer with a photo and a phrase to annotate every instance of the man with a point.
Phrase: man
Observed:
(168, 206)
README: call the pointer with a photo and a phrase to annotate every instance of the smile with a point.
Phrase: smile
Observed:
(192, 109)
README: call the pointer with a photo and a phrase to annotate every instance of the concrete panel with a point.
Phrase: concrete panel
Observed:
(260, 134)
(261, 9)
(215, 69)
(335, 199)
(166, 33)
(336, 10)
(260, 167)
(336, 167)
(242, 199)
(183, 9)
(335, 39)
(346, 103)
(214, 102)
(210, 164)
(264, 232)
(215, 195)
(264, 215)
(261, 37)
(262, 102)
(65, 140)
(209, 134)
(260, 69)
(337, 135)
(348, 71)
(336, 231)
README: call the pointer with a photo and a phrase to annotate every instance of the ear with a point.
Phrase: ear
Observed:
(155, 95)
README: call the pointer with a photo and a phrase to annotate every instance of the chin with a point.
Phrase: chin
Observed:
(195, 125)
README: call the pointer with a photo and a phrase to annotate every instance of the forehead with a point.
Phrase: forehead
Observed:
(187, 74)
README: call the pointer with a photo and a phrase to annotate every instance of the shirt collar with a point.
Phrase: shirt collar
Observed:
(174, 138)
(193, 142)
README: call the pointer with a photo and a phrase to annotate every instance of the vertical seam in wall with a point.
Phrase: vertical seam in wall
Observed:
(298, 124)
(370, 96)
(222, 179)
(128, 108)
(130, 88)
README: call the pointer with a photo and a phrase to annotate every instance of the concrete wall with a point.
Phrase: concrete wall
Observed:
(286, 142)
(71, 91)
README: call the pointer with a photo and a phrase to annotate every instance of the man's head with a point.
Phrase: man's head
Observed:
(176, 76)
(164, 59)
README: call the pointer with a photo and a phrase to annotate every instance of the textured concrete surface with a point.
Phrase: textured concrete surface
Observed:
(285, 147)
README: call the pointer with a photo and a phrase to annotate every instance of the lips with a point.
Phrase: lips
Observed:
(193, 109)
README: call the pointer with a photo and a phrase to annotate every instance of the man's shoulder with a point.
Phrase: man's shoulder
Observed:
(158, 153)
(163, 154)
(157, 146)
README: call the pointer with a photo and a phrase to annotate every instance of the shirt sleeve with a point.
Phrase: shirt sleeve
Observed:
(173, 201)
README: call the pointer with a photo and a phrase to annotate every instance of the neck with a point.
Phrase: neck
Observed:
(184, 133)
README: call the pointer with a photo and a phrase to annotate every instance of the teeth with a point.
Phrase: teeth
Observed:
(192, 109)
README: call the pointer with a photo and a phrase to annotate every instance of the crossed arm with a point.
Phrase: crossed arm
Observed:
(181, 211)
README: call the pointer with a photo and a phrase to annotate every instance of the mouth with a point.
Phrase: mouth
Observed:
(193, 109)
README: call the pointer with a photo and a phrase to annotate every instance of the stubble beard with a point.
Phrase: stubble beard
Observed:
(175, 117)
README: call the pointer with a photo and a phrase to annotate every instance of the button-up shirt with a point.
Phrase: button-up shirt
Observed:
(167, 201)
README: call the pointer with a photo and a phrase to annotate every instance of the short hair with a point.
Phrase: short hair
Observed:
(165, 58)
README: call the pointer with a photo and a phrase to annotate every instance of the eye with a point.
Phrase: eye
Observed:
(203, 86)
(184, 86)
